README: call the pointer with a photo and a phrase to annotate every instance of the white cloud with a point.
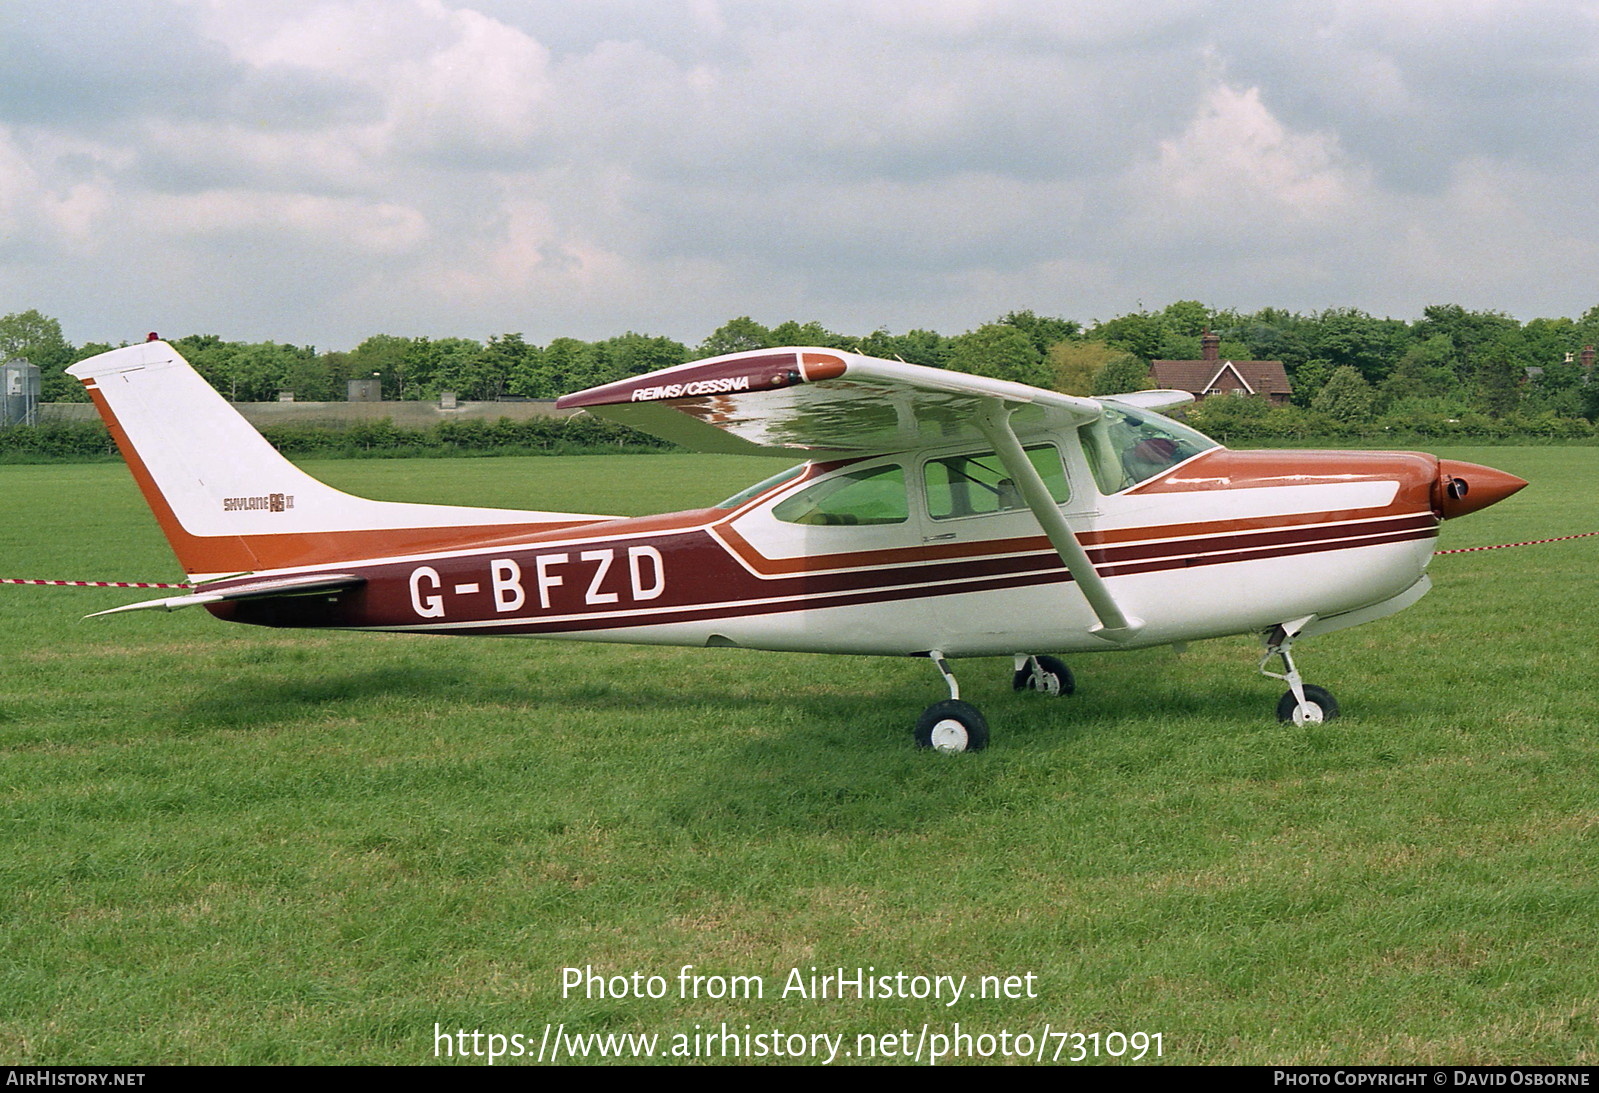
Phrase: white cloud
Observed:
(1236, 165)
(321, 223)
(490, 164)
(41, 206)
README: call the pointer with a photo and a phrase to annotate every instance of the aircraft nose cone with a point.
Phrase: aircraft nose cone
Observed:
(1467, 487)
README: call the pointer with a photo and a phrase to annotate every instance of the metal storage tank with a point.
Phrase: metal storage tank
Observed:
(19, 393)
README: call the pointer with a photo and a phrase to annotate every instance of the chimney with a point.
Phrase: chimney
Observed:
(1587, 358)
(1210, 346)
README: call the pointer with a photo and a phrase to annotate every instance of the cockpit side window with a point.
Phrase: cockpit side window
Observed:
(975, 485)
(1126, 446)
(875, 495)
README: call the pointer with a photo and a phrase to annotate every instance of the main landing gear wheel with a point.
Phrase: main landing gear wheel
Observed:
(1319, 706)
(952, 726)
(1046, 675)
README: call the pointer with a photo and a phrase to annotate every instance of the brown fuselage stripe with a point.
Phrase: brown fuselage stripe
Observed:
(1238, 536)
(814, 593)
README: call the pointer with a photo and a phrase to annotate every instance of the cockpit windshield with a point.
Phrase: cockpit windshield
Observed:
(1127, 446)
(762, 486)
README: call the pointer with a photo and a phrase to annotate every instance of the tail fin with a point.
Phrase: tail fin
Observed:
(229, 503)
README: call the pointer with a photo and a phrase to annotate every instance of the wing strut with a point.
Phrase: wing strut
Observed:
(1114, 624)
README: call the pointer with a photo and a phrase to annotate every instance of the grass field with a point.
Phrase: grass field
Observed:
(229, 845)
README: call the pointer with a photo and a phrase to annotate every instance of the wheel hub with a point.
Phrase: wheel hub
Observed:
(1308, 714)
(950, 736)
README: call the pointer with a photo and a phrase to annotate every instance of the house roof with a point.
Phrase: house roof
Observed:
(1201, 377)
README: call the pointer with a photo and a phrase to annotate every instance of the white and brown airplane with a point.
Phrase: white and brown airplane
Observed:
(937, 514)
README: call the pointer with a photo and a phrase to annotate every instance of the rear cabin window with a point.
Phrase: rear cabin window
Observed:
(872, 496)
(975, 485)
(1126, 446)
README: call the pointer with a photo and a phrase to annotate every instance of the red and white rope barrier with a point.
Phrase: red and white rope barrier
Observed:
(1529, 542)
(94, 584)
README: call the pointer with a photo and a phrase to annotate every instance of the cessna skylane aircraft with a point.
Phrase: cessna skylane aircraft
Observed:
(937, 514)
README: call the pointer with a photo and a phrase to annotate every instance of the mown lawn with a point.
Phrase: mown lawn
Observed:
(228, 845)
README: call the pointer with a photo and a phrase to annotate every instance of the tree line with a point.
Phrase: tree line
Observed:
(1349, 369)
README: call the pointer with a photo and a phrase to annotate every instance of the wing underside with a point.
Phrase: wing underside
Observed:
(811, 402)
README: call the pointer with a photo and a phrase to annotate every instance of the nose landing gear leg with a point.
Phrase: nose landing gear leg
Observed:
(1304, 704)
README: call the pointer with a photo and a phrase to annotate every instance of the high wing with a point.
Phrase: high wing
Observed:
(1158, 401)
(825, 402)
(820, 402)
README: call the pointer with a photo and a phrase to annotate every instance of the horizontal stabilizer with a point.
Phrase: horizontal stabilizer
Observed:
(253, 590)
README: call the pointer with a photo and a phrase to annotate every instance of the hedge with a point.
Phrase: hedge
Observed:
(88, 441)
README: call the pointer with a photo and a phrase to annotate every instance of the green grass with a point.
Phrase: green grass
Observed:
(229, 845)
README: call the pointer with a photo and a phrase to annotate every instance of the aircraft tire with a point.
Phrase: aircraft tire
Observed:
(952, 726)
(1057, 678)
(1319, 697)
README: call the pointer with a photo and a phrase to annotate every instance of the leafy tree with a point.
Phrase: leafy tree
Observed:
(211, 357)
(257, 372)
(1545, 342)
(473, 371)
(633, 354)
(999, 352)
(812, 333)
(1230, 416)
(1558, 390)
(1347, 336)
(37, 339)
(924, 347)
(498, 363)
(1076, 366)
(395, 360)
(1308, 380)
(1189, 318)
(1470, 332)
(1498, 380)
(1044, 330)
(565, 365)
(1425, 371)
(1273, 334)
(1347, 397)
(736, 336)
(1140, 334)
(308, 376)
(1179, 347)
(1120, 375)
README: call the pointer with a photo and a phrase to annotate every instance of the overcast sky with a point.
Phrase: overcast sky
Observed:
(322, 170)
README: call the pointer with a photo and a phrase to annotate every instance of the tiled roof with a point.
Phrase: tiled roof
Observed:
(1261, 377)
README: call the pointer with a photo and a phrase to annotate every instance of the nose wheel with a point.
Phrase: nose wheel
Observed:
(1317, 706)
(1305, 703)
